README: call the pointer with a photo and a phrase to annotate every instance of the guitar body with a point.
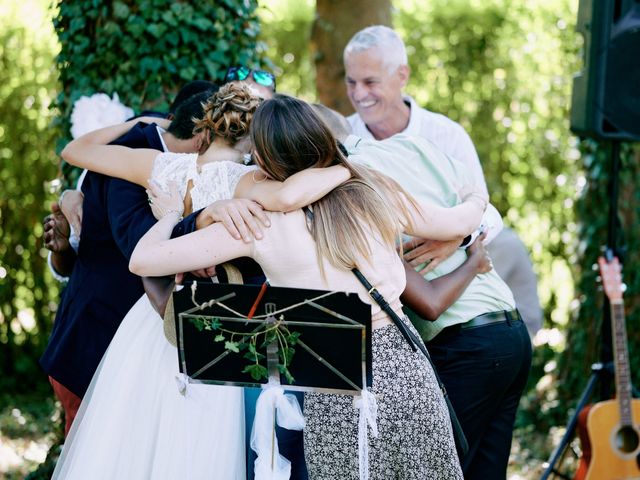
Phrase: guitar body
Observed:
(585, 444)
(615, 453)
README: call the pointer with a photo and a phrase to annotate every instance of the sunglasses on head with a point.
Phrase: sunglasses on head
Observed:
(266, 79)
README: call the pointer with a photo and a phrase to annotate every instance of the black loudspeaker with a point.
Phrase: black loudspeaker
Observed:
(606, 94)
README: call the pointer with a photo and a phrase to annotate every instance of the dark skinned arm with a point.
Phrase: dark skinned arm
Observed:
(56, 239)
(430, 298)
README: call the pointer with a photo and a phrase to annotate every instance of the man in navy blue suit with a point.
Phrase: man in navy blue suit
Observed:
(101, 289)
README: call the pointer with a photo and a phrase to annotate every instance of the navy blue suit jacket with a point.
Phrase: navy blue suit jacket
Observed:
(101, 289)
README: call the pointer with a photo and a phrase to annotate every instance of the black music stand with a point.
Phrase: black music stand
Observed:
(332, 349)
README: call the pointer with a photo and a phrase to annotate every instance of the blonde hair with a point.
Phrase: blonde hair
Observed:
(289, 137)
(228, 113)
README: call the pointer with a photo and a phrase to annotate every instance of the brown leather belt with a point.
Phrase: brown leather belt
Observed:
(492, 317)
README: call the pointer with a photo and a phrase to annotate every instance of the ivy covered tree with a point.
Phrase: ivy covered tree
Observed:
(145, 50)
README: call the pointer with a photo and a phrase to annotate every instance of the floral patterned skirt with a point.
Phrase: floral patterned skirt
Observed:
(414, 440)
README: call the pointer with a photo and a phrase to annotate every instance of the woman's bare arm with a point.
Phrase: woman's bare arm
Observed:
(92, 152)
(441, 223)
(157, 255)
(297, 191)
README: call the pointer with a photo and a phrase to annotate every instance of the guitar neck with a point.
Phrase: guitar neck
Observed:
(621, 359)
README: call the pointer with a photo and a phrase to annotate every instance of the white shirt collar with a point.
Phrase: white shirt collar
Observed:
(413, 127)
(160, 132)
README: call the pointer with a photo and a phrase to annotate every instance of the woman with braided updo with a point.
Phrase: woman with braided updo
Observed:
(134, 423)
(356, 225)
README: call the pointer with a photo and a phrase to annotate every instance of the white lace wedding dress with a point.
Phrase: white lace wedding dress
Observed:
(133, 423)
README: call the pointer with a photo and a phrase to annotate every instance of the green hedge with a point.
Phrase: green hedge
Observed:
(584, 334)
(28, 296)
(145, 50)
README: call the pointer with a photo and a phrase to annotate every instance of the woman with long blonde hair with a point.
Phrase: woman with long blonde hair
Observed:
(134, 423)
(357, 224)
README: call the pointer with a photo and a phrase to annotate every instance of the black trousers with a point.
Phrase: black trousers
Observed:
(485, 371)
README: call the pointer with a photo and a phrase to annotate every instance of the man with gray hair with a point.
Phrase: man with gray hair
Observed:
(377, 70)
(479, 345)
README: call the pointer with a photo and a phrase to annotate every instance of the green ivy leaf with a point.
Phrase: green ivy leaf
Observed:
(199, 324)
(257, 371)
(231, 346)
(219, 338)
(254, 357)
(120, 10)
(157, 30)
(187, 73)
(169, 18)
(287, 374)
(162, 42)
(203, 24)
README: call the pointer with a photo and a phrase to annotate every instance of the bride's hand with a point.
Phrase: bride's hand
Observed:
(162, 203)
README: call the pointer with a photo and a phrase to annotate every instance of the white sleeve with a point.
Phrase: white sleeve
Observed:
(160, 164)
(491, 223)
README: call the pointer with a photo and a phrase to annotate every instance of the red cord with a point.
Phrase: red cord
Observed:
(263, 289)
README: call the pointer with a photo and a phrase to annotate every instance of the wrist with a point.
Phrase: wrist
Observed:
(176, 214)
(344, 172)
(473, 260)
(61, 197)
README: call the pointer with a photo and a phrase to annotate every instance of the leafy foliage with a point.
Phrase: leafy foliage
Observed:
(503, 69)
(286, 30)
(584, 336)
(106, 47)
(504, 72)
(145, 50)
(27, 294)
(272, 333)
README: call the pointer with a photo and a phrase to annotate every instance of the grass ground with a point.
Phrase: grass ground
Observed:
(30, 425)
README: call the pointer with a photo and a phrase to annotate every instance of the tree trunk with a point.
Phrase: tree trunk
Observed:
(335, 23)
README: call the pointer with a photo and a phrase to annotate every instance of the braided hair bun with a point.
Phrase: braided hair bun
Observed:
(228, 113)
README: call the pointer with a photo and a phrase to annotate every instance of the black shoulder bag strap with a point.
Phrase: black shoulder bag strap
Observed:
(415, 343)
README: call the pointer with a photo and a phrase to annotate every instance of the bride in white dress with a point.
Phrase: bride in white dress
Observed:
(134, 422)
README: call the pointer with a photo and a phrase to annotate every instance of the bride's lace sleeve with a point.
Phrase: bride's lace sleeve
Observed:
(235, 172)
(177, 167)
(216, 181)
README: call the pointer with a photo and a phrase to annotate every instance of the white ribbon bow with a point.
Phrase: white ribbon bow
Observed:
(182, 381)
(270, 465)
(368, 407)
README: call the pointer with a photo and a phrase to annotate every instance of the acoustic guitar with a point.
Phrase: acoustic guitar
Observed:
(613, 433)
